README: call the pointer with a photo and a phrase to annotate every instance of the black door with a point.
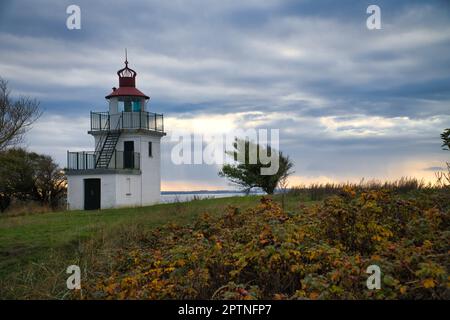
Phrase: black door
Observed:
(128, 154)
(91, 194)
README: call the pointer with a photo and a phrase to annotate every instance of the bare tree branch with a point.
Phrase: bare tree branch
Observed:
(16, 117)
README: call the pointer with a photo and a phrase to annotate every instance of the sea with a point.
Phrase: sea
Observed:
(185, 196)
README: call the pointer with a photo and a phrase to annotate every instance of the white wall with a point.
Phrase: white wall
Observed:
(150, 166)
(128, 190)
(151, 170)
(75, 191)
(124, 190)
(113, 105)
(116, 190)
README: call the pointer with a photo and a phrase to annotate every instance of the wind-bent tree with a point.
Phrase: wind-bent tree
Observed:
(248, 175)
(16, 116)
(445, 136)
(443, 178)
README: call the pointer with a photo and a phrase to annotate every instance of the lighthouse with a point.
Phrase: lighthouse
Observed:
(123, 169)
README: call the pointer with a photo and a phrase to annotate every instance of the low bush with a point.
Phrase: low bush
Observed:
(319, 252)
(320, 191)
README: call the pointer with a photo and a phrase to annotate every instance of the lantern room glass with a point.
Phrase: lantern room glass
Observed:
(130, 104)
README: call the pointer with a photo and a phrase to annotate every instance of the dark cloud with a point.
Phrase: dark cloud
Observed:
(435, 169)
(311, 67)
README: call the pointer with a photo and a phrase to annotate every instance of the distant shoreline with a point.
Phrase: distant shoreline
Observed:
(207, 192)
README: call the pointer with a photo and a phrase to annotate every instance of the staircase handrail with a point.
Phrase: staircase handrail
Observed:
(103, 138)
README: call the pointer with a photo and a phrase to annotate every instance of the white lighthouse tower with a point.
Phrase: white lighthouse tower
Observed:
(124, 168)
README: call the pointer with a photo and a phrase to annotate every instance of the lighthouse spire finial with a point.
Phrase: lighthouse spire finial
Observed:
(126, 75)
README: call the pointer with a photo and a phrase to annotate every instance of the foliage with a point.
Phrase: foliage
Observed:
(49, 181)
(320, 252)
(247, 172)
(16, 173)
(320, 191)
(36, 249)
(29, 176)
(445, 136)
(443, 177)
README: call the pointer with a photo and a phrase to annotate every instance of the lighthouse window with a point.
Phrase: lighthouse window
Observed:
(125, 105)
(128, 104)
(136, 106)
(150, 154)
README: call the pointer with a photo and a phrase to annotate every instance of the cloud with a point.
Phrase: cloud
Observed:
(434, 169)
(349, 102)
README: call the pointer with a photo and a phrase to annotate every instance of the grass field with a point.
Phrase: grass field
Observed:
(238, 247)
(36, 249)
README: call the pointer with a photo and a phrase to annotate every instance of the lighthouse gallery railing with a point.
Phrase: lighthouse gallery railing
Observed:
(86, 160)
(103, 121)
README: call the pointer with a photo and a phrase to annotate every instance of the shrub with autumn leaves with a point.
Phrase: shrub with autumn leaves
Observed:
(318, 252)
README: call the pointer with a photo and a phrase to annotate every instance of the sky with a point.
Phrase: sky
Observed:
(349, 102)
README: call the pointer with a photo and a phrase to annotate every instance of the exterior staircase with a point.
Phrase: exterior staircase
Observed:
(106, 152)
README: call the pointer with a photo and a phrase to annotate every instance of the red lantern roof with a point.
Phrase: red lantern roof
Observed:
(127, 84)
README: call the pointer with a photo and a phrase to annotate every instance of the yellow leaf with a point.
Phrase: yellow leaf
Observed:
(313, 295)
(279, 296)
(376, 257)
(428, 283)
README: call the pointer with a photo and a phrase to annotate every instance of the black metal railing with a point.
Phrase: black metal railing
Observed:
(104, 121)
(86, 160)
(80, 160)
(100, 121)
(103, 138)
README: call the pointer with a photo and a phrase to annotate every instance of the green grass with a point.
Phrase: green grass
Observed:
(24, 238)
(32, 246)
